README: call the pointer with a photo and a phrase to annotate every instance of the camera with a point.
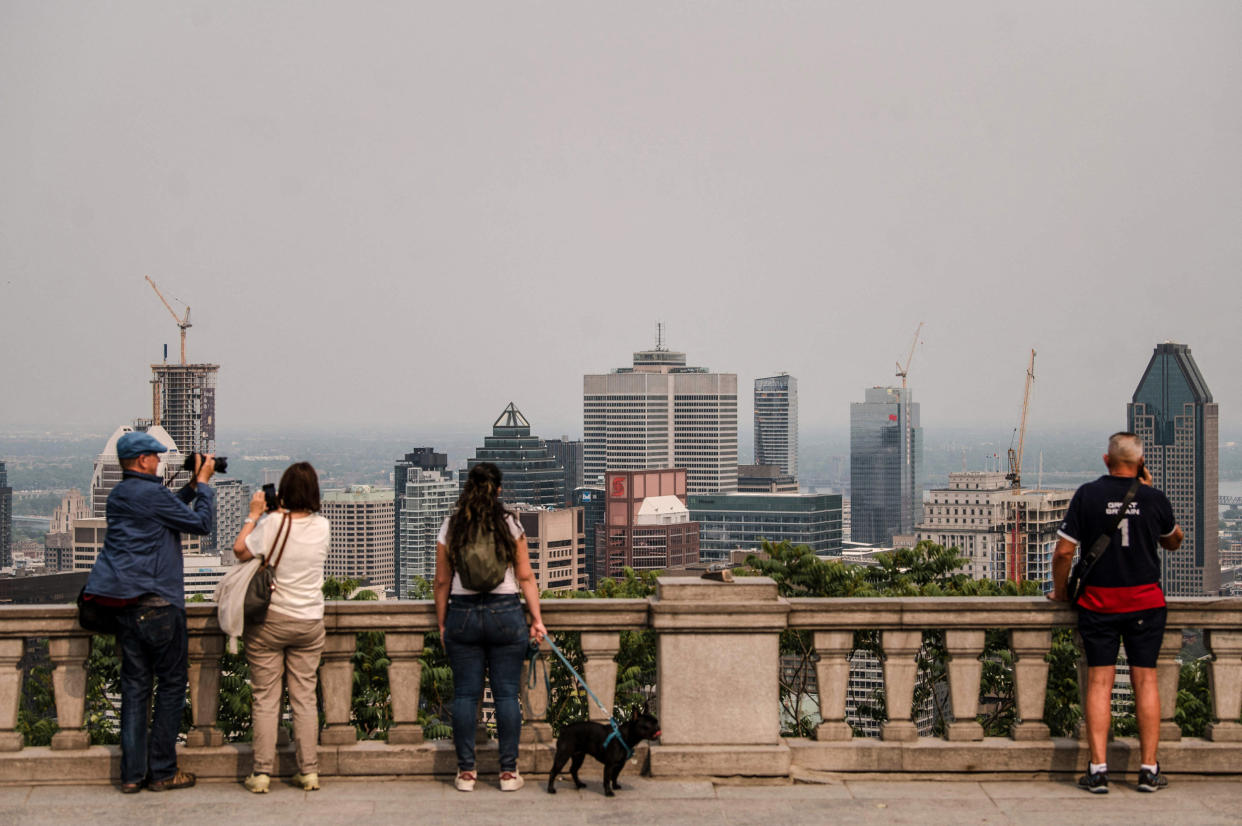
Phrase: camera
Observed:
(222, 463)
(269, 494)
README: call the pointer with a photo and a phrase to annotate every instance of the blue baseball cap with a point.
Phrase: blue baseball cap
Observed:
(134, 444)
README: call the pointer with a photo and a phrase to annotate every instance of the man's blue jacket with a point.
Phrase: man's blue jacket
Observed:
(142, 547)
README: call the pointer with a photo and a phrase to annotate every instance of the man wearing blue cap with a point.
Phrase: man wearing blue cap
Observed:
(140, 574)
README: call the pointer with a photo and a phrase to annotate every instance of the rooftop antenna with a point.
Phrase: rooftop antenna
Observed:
(659, 335)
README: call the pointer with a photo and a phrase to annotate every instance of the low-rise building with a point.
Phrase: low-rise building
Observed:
(1002, 532)
(647, 525)
(742, 521)
(556, 540)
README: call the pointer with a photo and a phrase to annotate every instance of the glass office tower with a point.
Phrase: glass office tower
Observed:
(776, 423)
(886, 465)
(1173, 413)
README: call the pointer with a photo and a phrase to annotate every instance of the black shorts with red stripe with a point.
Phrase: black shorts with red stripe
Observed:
(1141, 631)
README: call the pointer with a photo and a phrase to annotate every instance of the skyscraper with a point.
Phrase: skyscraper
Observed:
(361, 542)
(428, 497)
(420, 458)
(6, 519)
(662, 414)
(1173, 413)
(568, 453)
(886, 465)
(776, 423)
(183, 402)
(531, 475)
(232, 508)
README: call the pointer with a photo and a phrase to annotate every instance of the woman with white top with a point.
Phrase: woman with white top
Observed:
(289, 641)
(485, 630)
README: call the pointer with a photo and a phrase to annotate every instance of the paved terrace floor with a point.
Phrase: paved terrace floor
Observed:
(642, 801)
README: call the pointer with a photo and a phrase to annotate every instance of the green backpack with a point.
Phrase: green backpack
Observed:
(481, 564)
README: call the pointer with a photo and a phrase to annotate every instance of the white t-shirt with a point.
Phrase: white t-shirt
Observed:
(299, 568)
(509, 584)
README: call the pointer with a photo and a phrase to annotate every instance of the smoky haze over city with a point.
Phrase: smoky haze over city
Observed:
(400, 218)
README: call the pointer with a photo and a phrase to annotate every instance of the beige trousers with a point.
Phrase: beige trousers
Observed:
(288, 647)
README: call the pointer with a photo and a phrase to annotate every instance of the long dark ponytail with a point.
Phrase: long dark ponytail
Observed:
(479, 506)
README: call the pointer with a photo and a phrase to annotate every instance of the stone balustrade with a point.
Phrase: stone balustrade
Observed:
(717, 687)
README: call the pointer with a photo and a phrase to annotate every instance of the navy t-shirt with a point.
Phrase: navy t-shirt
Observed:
(1127, 575)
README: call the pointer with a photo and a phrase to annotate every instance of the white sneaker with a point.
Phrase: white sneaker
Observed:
(258, 783)
(308, 782)
(465, 781)
(511, 781)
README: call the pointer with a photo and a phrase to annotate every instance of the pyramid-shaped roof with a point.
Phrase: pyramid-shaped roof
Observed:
(511, 417)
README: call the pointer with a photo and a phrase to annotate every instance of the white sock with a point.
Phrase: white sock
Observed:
(1154, 769)
(1096, 768)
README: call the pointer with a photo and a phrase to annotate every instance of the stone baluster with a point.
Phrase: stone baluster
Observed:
(832, 678)
(901, 649)
(11, 650)
(534, 697)
(336, 680)
(405, 673)
(1225, 681)
(1168, 673)
(204, 670)
(965, 671)
(1030, 683)
(600, 670)
(69, 656)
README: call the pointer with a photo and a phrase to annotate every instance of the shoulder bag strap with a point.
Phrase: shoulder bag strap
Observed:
(278, 544)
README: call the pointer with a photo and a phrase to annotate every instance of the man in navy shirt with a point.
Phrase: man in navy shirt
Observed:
(140, 574)
(1123, 600)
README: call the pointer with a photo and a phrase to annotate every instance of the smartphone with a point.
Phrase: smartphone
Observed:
(269, 493)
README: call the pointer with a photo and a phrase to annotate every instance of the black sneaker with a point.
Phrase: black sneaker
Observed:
(1151, 781)
(1094, 782)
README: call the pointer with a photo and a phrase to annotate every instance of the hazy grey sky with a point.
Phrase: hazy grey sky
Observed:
(392, 214)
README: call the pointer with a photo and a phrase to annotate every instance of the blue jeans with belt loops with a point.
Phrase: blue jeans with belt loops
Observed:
(486, 631)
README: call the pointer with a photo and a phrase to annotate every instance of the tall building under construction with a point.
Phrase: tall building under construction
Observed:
(183, 402)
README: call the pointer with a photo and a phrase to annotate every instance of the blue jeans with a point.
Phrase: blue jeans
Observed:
(153, 648)
(486, 631)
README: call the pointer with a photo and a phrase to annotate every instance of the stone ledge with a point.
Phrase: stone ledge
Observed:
(720, 761)
(999, 755)
(233, 761)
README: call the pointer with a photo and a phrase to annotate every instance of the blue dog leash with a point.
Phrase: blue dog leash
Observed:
(616, 732)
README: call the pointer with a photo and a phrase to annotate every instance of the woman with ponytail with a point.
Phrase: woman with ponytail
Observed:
(485, 630)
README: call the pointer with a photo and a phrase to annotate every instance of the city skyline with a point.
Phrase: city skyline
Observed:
(674, 165)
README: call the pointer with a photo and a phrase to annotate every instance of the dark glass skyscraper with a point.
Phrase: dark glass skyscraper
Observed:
(6, 519)
(1173, 413)
(886, 465)
(531, 475)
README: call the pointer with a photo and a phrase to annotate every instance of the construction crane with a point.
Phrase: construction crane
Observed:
(902, 372)
(183, 323)
(1015, 558)
(1015, 457)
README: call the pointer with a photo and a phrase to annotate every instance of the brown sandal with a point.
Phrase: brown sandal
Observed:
(180, 780)
(131, 788)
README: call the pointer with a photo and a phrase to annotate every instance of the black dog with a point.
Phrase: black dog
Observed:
(577, 740)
